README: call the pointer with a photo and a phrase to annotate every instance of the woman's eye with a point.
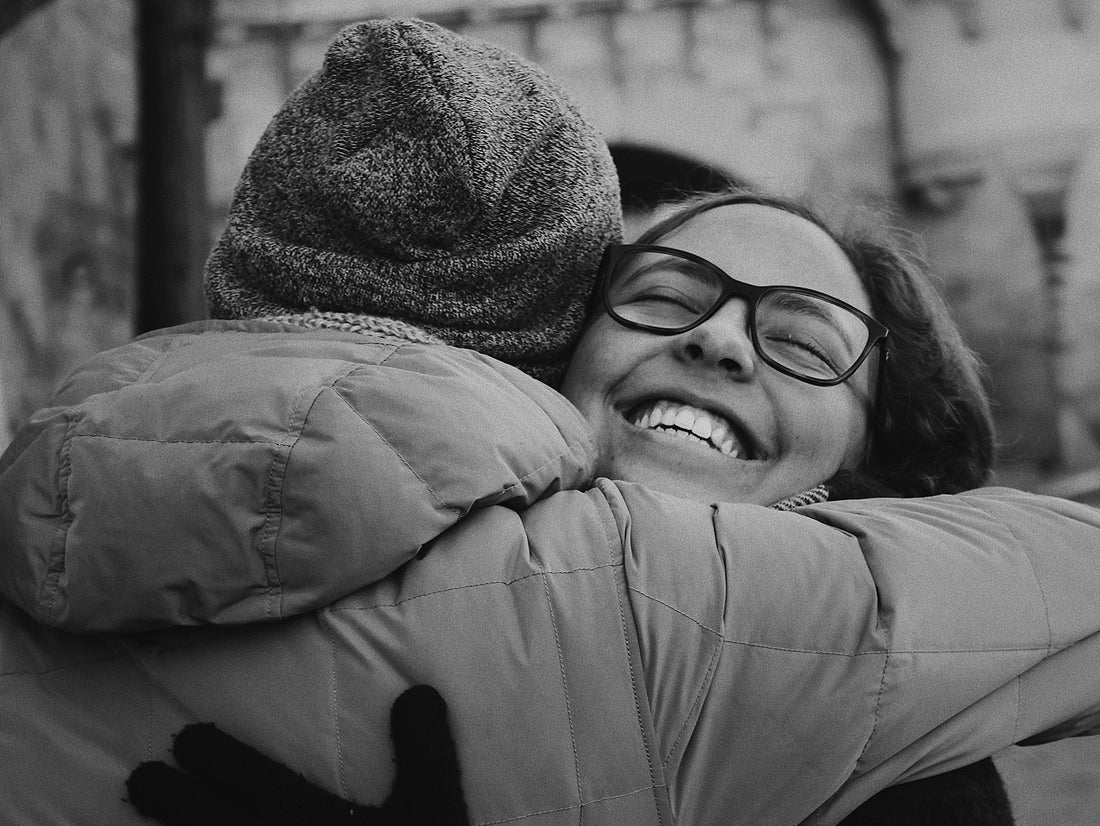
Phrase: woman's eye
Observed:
(665, 295)
(801, 349)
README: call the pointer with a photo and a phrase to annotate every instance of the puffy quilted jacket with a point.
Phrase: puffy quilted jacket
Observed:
(281, 530)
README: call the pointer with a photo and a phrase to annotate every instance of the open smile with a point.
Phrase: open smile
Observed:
(694, 424)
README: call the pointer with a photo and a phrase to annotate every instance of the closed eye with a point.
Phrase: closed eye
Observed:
(808, 348)
(794, 305)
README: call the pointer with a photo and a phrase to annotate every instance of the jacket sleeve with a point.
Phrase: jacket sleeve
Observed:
(811, 659)
(220, 474)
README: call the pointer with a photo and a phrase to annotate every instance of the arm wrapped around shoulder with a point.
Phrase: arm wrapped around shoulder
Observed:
(236, 471)
(850, 646)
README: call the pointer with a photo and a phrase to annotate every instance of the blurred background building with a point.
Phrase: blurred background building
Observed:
(125, 123)
(976, 122)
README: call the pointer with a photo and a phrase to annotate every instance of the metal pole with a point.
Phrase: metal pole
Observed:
(172, 216)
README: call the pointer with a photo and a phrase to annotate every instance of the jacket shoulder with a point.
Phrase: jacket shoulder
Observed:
(241, 474)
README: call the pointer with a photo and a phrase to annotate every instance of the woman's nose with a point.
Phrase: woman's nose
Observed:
(723, 341)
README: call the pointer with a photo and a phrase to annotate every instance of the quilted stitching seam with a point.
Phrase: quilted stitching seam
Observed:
(878, 709)
(479, 584)
(267, 539)
(575, 449)
(604, 799)
(339, 746)
(613, 542)
(1039, 584)
(859, 653)
(696, 703)
(565, 696)
(359, 415)
(56, 566)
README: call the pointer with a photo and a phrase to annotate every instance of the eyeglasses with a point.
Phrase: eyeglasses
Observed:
(803, 333)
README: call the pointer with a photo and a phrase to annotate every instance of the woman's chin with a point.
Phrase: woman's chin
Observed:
(699, 479)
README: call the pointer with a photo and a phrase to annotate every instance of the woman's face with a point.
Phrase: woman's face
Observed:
(778, 436)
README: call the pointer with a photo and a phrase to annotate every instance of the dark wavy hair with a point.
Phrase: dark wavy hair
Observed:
(935, 433)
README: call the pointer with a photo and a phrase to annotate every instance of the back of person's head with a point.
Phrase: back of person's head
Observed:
(429, 178)
(934, 433)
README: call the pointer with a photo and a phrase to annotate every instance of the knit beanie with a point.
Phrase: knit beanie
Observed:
(429, 178)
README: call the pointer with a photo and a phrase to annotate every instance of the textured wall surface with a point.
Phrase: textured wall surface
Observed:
(1000, 111)
(787, 95)
(66, 194)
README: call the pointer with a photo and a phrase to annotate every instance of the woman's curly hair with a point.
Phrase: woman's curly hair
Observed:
(934, 433)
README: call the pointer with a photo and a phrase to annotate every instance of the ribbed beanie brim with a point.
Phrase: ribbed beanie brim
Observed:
(431, 178)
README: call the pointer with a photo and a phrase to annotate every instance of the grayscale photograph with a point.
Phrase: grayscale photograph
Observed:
(550, 412)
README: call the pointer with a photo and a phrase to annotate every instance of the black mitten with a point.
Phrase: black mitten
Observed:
(971, 796)
(227, 783)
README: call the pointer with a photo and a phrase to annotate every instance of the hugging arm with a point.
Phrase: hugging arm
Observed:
(854, 646)
(974, 795)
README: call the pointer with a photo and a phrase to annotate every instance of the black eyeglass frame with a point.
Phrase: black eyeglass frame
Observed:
(878, 332)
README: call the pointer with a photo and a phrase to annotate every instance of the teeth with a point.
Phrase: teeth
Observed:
(719, 431)
(690, 423)
(701, 427)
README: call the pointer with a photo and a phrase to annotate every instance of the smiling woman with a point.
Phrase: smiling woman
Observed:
(790, 435)
(741, 359)
(815, 350)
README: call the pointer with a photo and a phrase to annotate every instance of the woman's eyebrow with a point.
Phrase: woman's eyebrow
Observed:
(680, 266)
(805, 305)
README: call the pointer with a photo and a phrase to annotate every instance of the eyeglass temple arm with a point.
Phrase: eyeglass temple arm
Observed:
(879, 413)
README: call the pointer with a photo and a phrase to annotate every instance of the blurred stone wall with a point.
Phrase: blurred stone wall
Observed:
(984, 116)
(786, 95)
(66, 195)
(972, 122)
(1000, 114)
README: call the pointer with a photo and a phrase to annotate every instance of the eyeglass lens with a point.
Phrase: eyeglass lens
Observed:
(804, 333)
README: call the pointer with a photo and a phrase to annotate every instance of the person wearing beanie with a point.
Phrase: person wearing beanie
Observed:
(423, 181)
(290, 519)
